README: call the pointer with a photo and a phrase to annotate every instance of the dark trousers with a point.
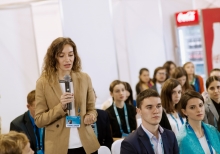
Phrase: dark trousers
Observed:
(78, 151)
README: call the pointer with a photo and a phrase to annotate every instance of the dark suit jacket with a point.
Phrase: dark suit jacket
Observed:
(103, 128)
(23, 124)
(139, 143)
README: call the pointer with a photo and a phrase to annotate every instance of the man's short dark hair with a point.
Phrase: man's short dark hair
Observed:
(146, 94)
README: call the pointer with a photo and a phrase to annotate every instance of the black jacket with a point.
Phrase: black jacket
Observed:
(103, 128)
(23, 124)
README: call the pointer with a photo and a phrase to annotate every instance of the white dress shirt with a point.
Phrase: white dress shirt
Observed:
(157, 144)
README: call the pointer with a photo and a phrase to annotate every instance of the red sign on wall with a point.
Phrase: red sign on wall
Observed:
(187, 18)
(211, 26)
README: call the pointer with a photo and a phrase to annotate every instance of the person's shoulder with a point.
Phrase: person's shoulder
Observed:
(168, 132)
(42, 80)
(209, 127)
(101, 112)
(199, 77)
(182, 134)
(110, 107)
(19, 119)
(132, 137)
(81, 74)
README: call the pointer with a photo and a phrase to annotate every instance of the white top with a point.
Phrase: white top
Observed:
(159, 87)
(74, 139)
(205, 146)
(157, 143)
(175, 123)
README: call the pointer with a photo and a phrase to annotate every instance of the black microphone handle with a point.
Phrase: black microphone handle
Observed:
(67, 88)
(69, 106)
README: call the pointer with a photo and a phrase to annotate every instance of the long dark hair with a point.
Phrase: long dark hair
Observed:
(180, 72)
(130, 98)
(166, 94)
(166, 65)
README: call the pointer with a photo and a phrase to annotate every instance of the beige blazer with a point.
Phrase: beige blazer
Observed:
(49, 114)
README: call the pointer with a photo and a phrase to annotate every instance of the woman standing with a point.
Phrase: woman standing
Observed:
(213, 102)
(170, 96)
(51, 102)
(196, 137)
(121, 115)
(144, 81)
(195, 80)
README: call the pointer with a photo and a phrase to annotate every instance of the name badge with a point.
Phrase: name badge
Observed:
(73, 121)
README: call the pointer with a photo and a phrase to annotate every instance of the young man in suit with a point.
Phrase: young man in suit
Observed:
(25, 123)
(150, 137)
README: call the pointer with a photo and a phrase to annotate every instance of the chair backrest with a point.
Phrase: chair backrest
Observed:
(116, 146)
(104, 150)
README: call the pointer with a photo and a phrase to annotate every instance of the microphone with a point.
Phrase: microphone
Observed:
(67, 89)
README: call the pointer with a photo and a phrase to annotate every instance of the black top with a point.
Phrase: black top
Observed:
(165, 122)
(114, 123)
(103, 128)
(217, 106)
(138, 89)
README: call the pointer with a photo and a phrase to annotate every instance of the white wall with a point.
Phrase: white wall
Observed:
(204, 4)
(47, 26)
(168, 9)
(25, 34)
(19, 65)
(88, 23)
(139, 36)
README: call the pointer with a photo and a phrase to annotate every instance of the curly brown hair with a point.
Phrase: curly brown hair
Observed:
(50, 60)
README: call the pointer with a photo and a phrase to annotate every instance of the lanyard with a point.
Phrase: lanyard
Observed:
(161, 142)
(206, 136)
(118, 118)
(39, 144)
(95, 129)
(181, 119)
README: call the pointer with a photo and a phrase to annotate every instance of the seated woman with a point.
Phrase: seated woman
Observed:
(196, 137)
(121, 115)
(181, 75)
(144, 81)
(170, 96)
(129, 95)
(170, 67)
(195, 80)
(15, 143)
(212, 104)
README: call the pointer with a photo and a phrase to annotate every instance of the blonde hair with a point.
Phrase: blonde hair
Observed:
(13, 143)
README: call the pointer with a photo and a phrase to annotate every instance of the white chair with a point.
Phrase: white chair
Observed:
(104, 150)
(116, 146)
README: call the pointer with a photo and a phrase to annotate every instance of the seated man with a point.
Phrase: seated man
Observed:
(25, 123)
(150, 137)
